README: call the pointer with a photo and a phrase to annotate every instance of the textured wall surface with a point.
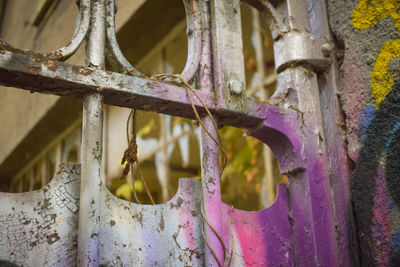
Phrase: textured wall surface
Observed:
(368, 32)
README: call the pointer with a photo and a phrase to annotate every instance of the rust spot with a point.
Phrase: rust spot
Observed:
(52, 238)
(139, 218)
(150, 85)
(33, 70)
(51, 65)
(46, 204)
(112, 223)
(146, 107)
(94, 235)
(162, 223)
(178, 204)
(81, 70)
(123, 245)
(135, 73)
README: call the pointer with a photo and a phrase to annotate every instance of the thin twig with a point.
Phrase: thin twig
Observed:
(130, 158)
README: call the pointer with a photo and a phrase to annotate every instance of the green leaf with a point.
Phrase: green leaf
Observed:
(124, 191)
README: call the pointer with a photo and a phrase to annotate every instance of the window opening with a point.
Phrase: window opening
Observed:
(41, 169)
(168, 147)
(42, 11)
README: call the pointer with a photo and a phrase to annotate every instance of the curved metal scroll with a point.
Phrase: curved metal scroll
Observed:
(194, 39)
(122, 65)
(274, 19)
(69, 49)
(113, 52)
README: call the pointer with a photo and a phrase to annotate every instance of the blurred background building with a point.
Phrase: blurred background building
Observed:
(39, 131)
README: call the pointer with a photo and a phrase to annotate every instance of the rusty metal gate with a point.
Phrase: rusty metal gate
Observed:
(75, 220)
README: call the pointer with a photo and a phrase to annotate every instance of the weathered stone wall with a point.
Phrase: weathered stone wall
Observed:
(368, 31)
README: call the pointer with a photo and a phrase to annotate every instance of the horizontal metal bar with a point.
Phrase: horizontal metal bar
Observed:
(63, 79)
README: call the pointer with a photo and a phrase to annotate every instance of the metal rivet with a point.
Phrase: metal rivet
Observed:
(326, 49)
(235, 87)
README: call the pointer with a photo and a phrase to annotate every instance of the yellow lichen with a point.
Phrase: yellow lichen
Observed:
(365, 15)
(381, 79)
(368, 12)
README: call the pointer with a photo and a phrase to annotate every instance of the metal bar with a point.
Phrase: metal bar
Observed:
(58, 78)
(230, 83)
(91, 150)
(209, 154)
(340, 173)
(311, 195)
(194, 33)
(114, 53)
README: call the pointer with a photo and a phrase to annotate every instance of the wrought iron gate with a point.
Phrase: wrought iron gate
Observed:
(76, 220)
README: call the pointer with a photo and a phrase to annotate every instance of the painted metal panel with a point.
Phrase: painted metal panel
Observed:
(39, 228)
(167, 234)
(260, 238)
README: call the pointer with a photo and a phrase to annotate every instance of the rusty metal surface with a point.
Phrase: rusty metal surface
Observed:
(227, 45)
(64, 79)
(39, 228)
(113, 52)
(167, 234)
(92, 145)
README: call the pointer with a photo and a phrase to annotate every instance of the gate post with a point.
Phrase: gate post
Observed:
(91, 151)
(300, 58)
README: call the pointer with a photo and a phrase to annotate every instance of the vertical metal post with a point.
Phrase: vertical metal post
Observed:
(340, 172)
(91, 150)
(210, 173)
(310, 192)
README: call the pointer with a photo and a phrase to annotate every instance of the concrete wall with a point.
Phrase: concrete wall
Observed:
(20, 111)
(368, 32)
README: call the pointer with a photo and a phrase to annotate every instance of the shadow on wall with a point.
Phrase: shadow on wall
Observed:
(376, 182)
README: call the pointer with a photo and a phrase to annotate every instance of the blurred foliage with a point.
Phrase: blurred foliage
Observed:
(144, 131)
(242, 179)
(125, 190)
(242, 182)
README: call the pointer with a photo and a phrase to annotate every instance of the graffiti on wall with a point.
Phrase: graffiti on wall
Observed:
(366, 14)
(375, 189)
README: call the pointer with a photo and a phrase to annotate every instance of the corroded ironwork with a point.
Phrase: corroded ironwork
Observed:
(297, 229)
(39, 228)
